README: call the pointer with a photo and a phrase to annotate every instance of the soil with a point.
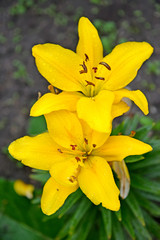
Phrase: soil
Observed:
(19, 79)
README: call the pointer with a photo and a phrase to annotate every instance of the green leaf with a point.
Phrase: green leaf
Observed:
(118, 215)
(130, 124)
(151, 207)
(141, 231)
(83, 207)
(85, 226)
(152, 225)
(127, 216)
(40, 175)
(142, 133)
(144, 120)
(134, 206)
(36, 125)
(11, 229)
(135, 158)
(117, 229)
(145, 184)
(19, 215)
(107, 220)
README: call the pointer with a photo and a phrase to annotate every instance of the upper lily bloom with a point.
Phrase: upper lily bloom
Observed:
(76, 156)
(92, 85)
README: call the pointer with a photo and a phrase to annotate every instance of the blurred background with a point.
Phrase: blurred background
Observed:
(24, 23)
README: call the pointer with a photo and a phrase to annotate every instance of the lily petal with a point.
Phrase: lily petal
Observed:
(54, 195)
(118, 147)
(97, 182)
(65, 128)
(136, 96)
(38, 152)
(97, 111)
(124, 61)
(60, 66)
(65, 172)
(119, 109)
(52, 102)
(89, 42)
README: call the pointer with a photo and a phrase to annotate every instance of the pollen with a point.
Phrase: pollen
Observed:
(132, 134)
(78, 159)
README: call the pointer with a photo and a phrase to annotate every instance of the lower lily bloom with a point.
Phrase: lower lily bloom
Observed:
(76, 156)
(92, 85)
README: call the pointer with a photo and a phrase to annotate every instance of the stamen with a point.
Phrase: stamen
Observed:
(87, 58)
(86, 141)
(78, 159)
(84, 68)
(132, 134)
(94, 145)
(59, 150)
(73, 147)
(89, 83)
(100, 78)
(106, 65)
(95, 69)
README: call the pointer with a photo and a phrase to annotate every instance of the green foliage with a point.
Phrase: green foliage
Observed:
(21, 7)
(153, 67)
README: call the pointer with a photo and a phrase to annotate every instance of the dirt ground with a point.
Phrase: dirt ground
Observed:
(56, 21)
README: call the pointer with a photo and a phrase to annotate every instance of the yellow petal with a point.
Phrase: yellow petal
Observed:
(89, 42)
(37, 152)
(23, 189)
(117, 148)
(119, 109)
(124, 61)
(52, 102)
(97, 111)
(92, 138)
(54, 196)
(97, 182)
(65, 128)
(60, 66)
(65, 172)
(136, 96)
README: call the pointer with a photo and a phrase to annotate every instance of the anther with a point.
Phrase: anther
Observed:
(94, 145)
(95, 69)
(89, 83)
(73, 147)
(100, 78)
(86, 141)
(78, 159)
(87, 58)
(59, 150)
(84, 68)
(132, 134)
(106, 65)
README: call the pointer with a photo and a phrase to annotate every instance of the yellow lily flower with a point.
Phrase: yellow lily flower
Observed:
(93, 86)
(76, 156)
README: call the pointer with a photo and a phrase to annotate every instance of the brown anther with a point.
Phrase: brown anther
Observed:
(106, 65)
(95, 69)
(86, 140)
(94, 145)
(132, 134)
(100, 78)
(78, 159)
(87, 58)
(84, 68)
(71, 180)
(57, 189)
(73, 147)
(39, 95)
(59, 150)
(89, 83)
